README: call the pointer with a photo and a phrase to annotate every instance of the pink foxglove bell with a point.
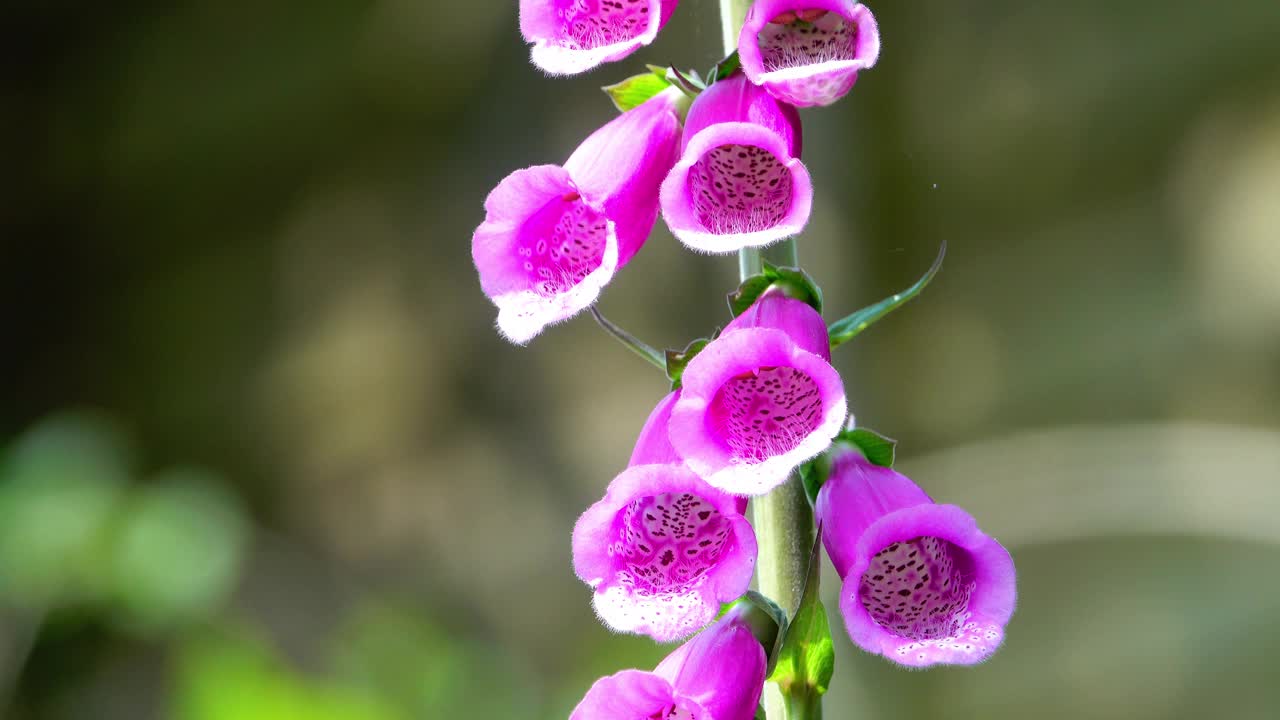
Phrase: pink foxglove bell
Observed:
(760, 399)
(553, 236)
(808, 52)
(573, 36)
(739, 181)
(663, 549)
(922, 584)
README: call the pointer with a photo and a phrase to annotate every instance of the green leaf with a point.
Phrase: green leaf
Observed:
(807, 658)
(877, 448)
(678, 359)
(794, 282)
(844, 330)
(724, 68)
(636, 89)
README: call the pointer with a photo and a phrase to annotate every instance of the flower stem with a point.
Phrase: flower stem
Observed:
(732, 14)
(633, 343)
(783, 519)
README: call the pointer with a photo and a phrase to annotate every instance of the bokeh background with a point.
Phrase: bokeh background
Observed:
(266, 457)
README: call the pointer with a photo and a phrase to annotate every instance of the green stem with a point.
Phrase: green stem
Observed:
(633, 343)
(803, 706)
(732, 14)
(783, 519)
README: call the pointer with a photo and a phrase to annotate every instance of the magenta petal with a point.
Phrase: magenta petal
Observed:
(856, 495)
(739, 181)
(628, 695)
(543, 252)
(573, 36)
(722, 669)
(718, 675)
(735, 100)
(927, 587)
(653, 446)
(754, 405)
(804, 63)
(796, 318)
(553, 237)
(663, 550)
(625, 162)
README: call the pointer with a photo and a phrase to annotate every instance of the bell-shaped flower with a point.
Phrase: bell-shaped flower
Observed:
(922, 584)
(663, 549)
(739, 181)
(573, 36)
(553, 236)
(718, 675)
(760, 399)
(808, 52)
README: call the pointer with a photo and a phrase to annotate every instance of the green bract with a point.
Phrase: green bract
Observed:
(844, 330)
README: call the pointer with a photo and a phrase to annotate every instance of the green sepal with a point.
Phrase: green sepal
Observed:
(768, 623)
(691, 84)
(807, 658)
(724, 68)
(813, 474)
(843, 330)
(794, 282)
(876, 448)
(636, 89)
(676, 360)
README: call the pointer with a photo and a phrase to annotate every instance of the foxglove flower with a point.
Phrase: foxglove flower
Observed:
(922, 584)
(808, 52)
(760, 399)
(554, 236)
(739, 181)
(573, 36)
(663, 549)
(718, 675)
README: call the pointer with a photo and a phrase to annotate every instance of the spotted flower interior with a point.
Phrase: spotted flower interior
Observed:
(589, 24)
(740, 189)
(562, 244)
(918, 588)
(767, 412)
(807, 37)
(667, 543)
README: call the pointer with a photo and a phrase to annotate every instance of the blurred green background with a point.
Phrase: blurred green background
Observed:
(265, 456)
